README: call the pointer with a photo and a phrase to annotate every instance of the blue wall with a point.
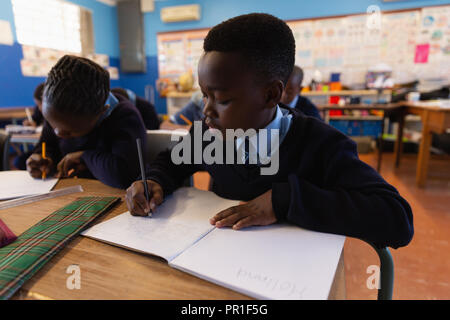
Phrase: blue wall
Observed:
(17, 90)
(216, 11)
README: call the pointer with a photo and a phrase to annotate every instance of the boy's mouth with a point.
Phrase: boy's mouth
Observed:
(211, 124)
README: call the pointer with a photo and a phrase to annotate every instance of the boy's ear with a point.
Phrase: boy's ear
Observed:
(274, 91)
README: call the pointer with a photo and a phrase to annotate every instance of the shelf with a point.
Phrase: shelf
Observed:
(344, 93)
(355, 118)
(176, 94)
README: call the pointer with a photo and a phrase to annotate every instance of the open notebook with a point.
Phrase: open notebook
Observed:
(273, 262)
(19, 183)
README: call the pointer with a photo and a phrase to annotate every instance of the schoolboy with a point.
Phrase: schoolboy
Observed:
(321, 184)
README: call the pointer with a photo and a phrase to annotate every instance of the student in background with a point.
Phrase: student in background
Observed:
(86, 128)
(292, 98)
(37, 120)
(320, 183)
(37, 116)
(193, 111)
(145, 108)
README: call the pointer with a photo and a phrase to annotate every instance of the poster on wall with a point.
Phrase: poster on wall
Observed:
(180, 52)
(35, 68)
(113, 73)
(414, 43)
(6, 36)
(432, 54)
(303, 35)
(37, 62)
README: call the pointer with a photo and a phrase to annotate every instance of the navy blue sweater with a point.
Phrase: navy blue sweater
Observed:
(148, 113)
(321, 185)
(37, 116)
(307, 107)
(109, 150)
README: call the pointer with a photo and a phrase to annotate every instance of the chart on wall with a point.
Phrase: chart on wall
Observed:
(432, 52)
(179, 52)
(37, 61)
(415, 44)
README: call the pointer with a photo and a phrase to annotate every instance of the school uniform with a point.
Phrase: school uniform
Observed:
(193, 111)
(146, 109)
(306, 106)
(37, 116)
(20, 162)
(109, 149)
(321, 184)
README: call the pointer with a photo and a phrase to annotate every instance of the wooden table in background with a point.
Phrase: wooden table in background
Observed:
(109, 272)
(390, 110)
(434, 120)
(31, 138)
(13, 113)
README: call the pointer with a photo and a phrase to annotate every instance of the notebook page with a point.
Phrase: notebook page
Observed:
(272, 262)
(19, 183)
(179, 222)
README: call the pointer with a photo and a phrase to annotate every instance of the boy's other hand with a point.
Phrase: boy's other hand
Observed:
(70, 161)
(28, 123)
(257, 212)
(137, 203)
(36, 165)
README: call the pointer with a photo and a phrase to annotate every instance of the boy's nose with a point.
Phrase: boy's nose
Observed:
(209, 109)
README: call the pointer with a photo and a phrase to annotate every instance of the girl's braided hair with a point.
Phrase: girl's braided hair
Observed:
(76, 86)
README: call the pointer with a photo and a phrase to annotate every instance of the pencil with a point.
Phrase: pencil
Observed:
(189, 122)
(141, 164)
(44, 174)
(30, 119)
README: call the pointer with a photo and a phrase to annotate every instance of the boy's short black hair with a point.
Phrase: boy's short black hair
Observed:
(77, 86)
(266, 42)
(39, 91)
(298, 72)
(120, 91)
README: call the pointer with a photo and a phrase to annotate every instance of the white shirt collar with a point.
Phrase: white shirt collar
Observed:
(293, 103)
(281, 123)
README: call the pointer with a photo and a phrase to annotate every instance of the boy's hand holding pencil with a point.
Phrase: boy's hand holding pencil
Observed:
(143, 196)
(137, 203)
(71, 165)
(38, 166)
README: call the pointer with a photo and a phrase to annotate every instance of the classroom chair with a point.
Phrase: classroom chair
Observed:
(160, 140)
(4, 151)
(386, 273)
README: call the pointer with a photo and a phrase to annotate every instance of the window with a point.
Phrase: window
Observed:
(54, 24)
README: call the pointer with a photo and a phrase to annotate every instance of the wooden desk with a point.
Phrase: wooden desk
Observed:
(13, 113)
(434, 120)
(109, 272)
(31, 138)
(390, 110)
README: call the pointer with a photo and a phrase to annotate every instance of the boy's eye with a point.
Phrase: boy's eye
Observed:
(224, 102)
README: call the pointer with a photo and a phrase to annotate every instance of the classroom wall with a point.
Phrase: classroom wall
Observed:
(17, 90)
(216, 11)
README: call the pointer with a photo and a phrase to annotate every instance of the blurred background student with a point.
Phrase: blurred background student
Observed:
(37, 119)
(145, 108)
(292, 98)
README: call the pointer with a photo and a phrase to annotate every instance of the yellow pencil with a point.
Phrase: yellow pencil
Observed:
(186, 120)
(44, 174)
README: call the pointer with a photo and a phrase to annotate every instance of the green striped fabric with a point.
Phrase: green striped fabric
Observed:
(20, 260)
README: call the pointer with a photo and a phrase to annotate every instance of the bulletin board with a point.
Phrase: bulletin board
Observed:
(414, 43)
(37, 61)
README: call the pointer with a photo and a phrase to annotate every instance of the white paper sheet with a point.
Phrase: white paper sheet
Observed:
(272, 262)
(19, 183)
(178, 223)
(6, 36)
